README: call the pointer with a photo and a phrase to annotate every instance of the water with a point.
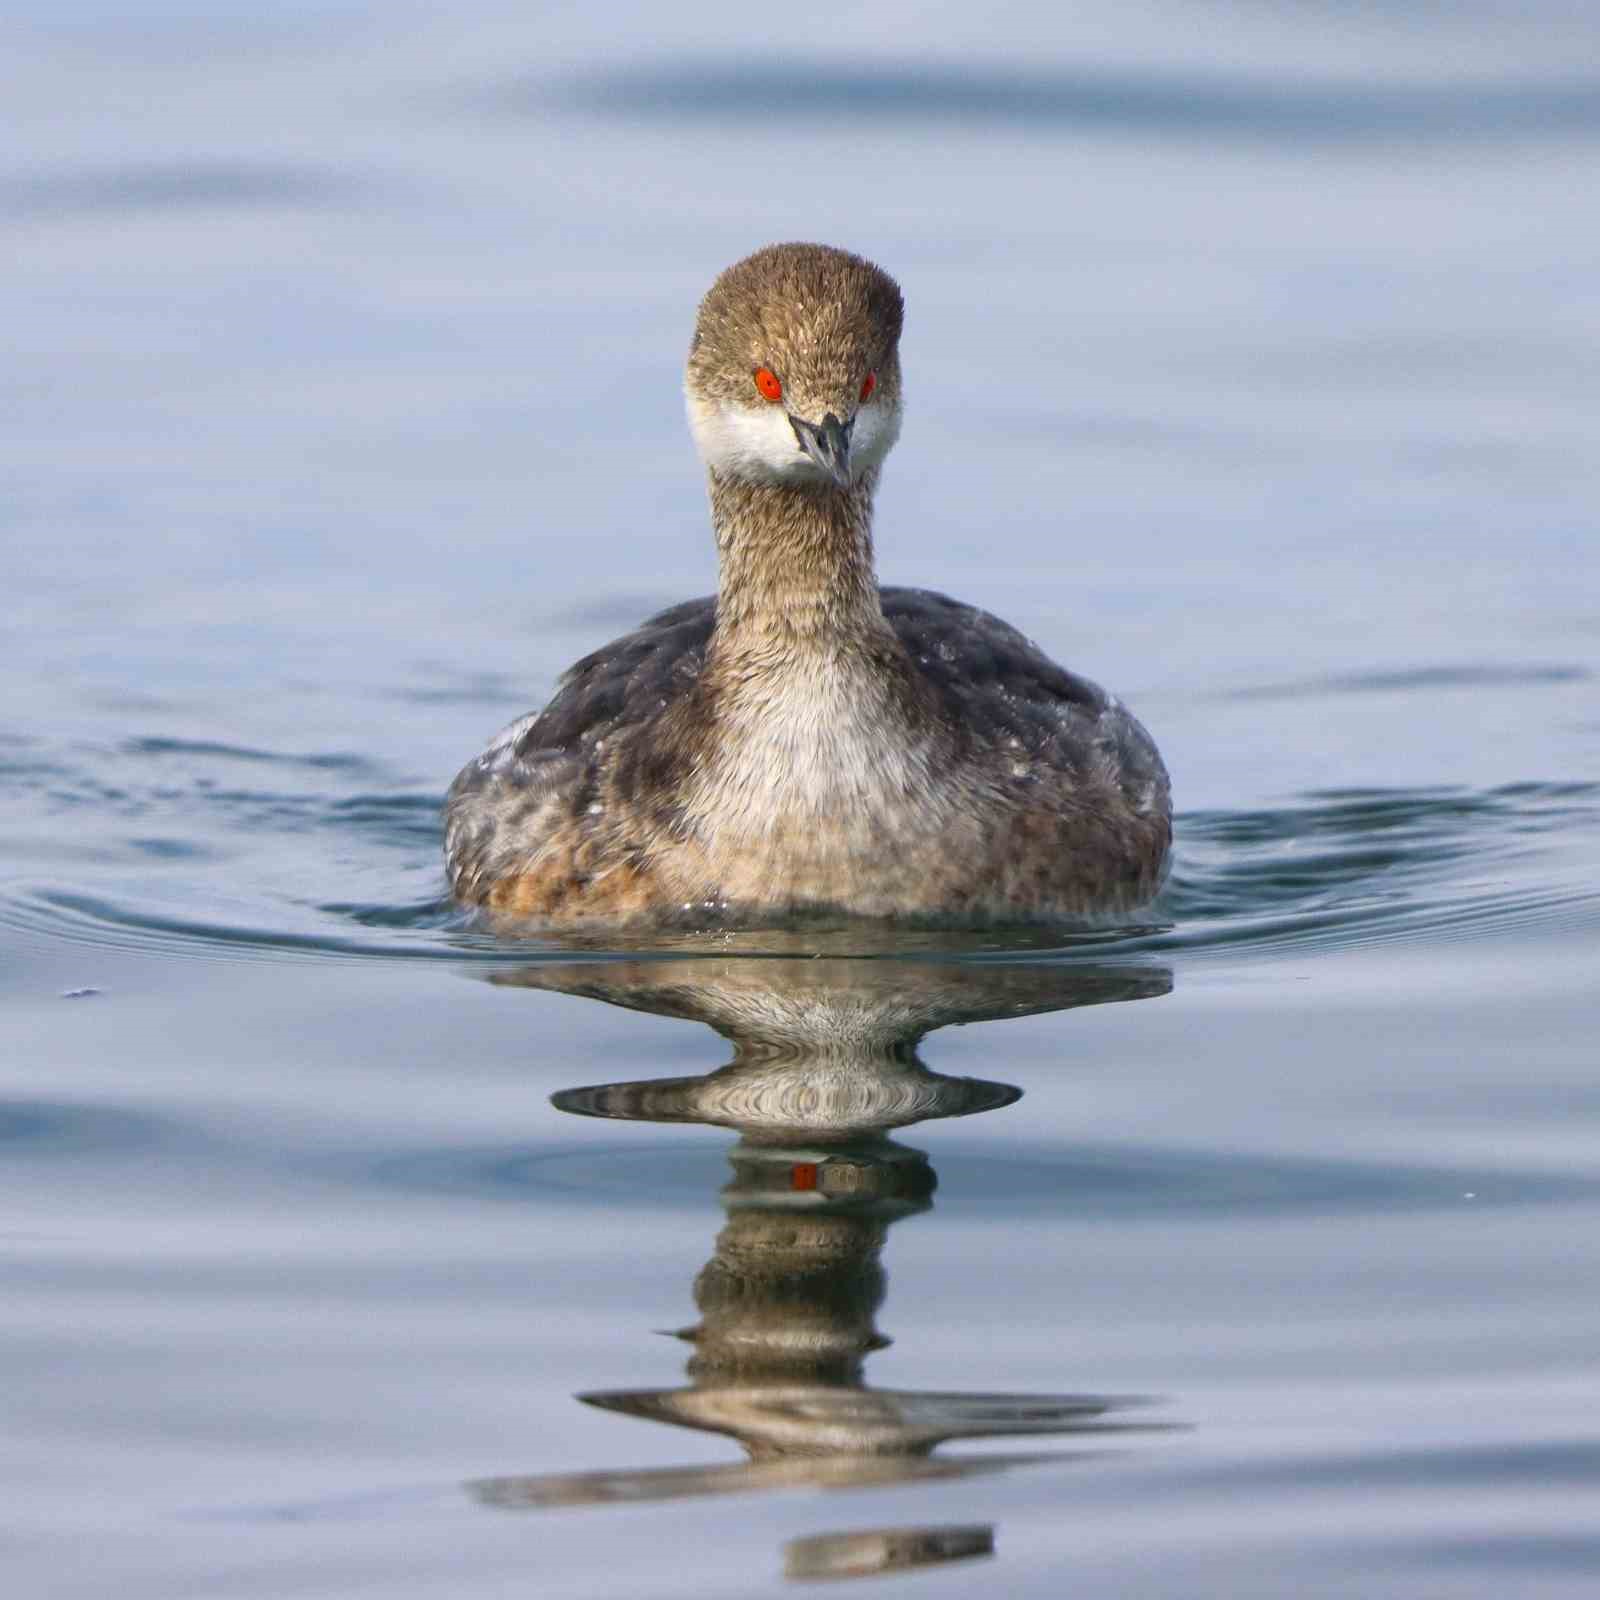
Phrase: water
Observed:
(1248, 1250)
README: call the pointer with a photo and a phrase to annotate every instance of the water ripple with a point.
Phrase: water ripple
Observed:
(321, 761)
(1062, 1183)
(38, 1128)
(158, 189)
(1461, 675)
(1527, 1554)
(1349, 867)
(902, 93)
(325, 853)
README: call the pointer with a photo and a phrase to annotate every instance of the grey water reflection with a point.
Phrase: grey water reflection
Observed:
(825, 1064)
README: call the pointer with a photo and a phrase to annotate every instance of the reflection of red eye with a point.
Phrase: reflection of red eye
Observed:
(767, 383)
(868, 384)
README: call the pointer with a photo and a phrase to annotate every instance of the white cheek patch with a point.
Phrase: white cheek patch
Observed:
(746, 442)
(757, 442)
(877, 427)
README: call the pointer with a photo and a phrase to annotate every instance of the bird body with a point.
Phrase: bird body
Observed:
(804, 743)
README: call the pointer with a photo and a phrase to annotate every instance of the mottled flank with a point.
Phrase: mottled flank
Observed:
(802, 744)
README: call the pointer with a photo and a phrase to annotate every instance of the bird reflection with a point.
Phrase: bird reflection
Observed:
(825, 1064)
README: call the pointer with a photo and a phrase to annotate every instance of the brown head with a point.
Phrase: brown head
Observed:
(794, 373)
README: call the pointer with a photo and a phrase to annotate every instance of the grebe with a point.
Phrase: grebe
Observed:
(806, 743)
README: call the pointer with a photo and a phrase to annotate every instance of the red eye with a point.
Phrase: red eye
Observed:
(767, 383)
(868, 384)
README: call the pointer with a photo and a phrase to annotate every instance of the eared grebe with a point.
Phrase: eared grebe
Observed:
(805, 743)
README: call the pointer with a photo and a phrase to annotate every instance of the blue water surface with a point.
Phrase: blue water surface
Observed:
(1246, 1249)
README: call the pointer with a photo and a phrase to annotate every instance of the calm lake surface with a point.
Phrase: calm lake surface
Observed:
(1252, 360)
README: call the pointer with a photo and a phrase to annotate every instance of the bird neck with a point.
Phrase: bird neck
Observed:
(795, 566)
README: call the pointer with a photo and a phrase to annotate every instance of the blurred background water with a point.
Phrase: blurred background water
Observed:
(1252, 357)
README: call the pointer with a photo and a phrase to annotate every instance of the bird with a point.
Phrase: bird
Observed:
(806, 746)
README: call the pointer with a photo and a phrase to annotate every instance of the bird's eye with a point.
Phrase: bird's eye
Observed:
(767, 383)
(868, 384)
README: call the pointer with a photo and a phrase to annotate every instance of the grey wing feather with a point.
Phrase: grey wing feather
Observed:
(1006, 693)
(537, 770)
